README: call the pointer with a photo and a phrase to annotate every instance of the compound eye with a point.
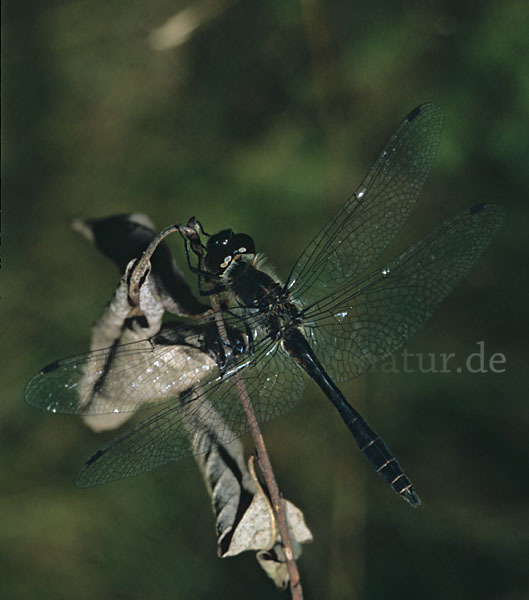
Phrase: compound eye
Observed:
(218, 251)
(219, 240)
(242, 244)
(223, 247)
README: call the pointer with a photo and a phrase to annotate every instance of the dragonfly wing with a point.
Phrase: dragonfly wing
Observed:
(373, 215)
(125, 377)
(201, 417)
(359, 324)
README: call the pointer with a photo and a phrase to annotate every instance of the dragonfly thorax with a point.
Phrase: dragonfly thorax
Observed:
(255, 289)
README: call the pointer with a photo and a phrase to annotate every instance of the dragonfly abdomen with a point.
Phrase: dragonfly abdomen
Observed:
(372, 446)
(380, 457)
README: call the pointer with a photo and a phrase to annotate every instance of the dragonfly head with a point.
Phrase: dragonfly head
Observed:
(224, 247)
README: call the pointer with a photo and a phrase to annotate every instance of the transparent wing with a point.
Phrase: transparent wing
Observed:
(126, 377)
(373, 215)
(274, 384)
(362, 322)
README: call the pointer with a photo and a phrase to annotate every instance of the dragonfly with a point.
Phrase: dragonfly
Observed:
(334, 317)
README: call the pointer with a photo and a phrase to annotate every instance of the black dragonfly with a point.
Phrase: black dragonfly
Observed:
(332, 319)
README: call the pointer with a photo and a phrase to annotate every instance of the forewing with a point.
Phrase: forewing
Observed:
(364, 322)
(373, 215)
(122, 378)
(273, 382)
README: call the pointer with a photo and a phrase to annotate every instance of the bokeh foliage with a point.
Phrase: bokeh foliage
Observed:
(264, 118)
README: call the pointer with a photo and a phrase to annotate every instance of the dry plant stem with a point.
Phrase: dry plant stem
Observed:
(265, 465)
(144, 264)
(278, 504)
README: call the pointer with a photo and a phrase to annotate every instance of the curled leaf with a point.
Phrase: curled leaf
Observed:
(244, 516)
(123, 239)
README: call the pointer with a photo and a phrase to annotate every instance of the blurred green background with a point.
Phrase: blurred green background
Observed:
(264, 117)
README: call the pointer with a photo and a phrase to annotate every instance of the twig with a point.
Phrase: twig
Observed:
(190, 233)
(141, 270)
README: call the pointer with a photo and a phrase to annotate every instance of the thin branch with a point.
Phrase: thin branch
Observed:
(190, 233)
(142, 269)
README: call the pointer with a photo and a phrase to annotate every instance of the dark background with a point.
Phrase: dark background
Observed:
(264, 118)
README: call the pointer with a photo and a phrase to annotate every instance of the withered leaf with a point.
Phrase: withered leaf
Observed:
(123, 238)
(244, 516)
